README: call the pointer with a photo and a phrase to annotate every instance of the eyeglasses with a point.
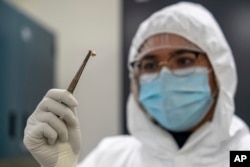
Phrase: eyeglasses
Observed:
(182, 62)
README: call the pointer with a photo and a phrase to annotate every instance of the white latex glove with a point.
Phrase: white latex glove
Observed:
(52, 133)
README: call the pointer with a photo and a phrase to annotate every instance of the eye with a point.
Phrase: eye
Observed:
(149, 66)
(183, 61)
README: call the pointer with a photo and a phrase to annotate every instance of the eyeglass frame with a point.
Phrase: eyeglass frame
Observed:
(197, 53)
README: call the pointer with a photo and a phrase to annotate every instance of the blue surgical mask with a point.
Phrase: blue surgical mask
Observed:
(176, 103)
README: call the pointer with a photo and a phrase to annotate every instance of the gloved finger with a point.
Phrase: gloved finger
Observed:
(48, 132)
(59, 109)
(56, 123)
(37, 133)
(63, 96)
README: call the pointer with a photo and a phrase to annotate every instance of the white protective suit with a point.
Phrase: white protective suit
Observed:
(209, 146)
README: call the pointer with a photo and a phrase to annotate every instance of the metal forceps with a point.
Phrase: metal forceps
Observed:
(77, 76)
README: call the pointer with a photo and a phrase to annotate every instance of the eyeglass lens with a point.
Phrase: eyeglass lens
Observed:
(178, 61)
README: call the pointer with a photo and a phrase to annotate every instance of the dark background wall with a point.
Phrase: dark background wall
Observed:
(26, 71)
(233, 17)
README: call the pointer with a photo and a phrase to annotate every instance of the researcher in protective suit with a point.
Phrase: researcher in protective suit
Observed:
(180, 109)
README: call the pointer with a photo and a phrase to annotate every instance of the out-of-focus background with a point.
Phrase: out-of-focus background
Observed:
(50, 39)
(43, 43)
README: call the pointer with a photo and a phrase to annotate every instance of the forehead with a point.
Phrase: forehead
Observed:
(165, 41)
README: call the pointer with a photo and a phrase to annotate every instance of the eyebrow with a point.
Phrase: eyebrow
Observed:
(172, 53)
(180, 51)
(150, 56)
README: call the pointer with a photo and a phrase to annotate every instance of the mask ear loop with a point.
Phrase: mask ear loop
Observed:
(135, 88)
(214, 94)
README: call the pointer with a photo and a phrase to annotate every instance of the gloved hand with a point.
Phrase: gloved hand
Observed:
(52, 133)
